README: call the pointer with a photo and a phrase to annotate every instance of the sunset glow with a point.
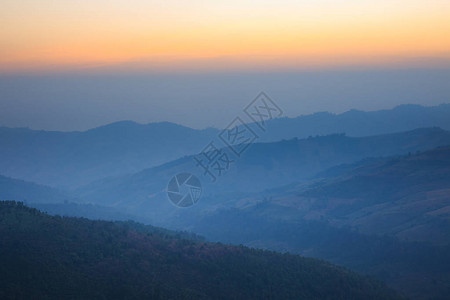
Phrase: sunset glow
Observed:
(220, 34)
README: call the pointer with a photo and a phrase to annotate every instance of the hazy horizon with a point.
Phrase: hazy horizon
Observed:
(84, 100)
(212, 127)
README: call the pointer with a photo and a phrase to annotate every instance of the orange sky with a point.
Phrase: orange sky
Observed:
(47, 34)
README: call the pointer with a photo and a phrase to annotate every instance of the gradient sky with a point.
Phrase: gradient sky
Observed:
(230, 34)
(74, 65)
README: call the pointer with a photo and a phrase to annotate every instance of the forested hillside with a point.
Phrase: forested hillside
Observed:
(51, 257)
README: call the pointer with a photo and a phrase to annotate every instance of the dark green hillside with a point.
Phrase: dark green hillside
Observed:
(47, 257)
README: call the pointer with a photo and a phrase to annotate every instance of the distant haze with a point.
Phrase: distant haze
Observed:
(79, 101)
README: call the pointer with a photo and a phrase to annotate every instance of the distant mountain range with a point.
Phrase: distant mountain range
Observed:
(45, 257)
(72, 159)
(263, 166)
(67, 159)
(360, 123)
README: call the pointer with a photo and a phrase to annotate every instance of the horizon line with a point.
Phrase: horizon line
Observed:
(215, 128)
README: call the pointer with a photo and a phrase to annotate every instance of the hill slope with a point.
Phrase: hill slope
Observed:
(20, 190)
(389, 217)
(407, 197)
(53, 258)
(262, 166)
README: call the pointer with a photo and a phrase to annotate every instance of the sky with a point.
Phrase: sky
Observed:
(71, 65)
(49, 34)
